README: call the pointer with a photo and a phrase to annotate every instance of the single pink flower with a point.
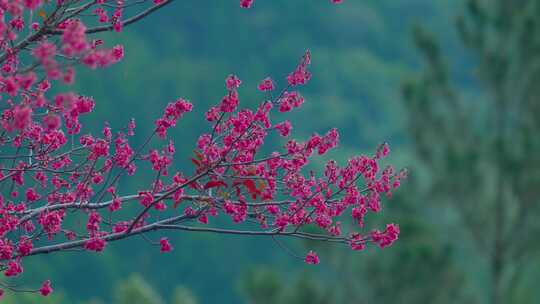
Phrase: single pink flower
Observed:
(46, 288)
(312, 258)
(165, 245)
(246, 3)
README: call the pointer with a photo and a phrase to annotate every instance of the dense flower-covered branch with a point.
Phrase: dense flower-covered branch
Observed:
(51, 171)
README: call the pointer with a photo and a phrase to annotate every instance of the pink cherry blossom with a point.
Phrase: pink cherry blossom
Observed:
(246, 3)
(266, 85)
(284, 128)
(46, 288)
(165, 246)
(312, 258)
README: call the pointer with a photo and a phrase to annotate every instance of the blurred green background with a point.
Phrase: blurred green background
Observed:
(452, 85)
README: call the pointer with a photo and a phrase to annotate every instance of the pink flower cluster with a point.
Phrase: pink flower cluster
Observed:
(300, 75)
(312, 258)
(172, 113)
(386, 238)
(38, 124)
(67, 186)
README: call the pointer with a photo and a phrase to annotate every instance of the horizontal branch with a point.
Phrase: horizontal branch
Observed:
(170, 224)
(126, 22)
(274, 232)
(110, 237)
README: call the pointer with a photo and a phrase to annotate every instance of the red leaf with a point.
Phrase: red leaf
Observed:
(196, 162)
(195, 186)
(213, 184)
(198, 155)
(252, 188)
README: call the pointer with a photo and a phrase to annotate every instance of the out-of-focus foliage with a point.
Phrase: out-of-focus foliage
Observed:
(183, 295)
(265, 286)
(481, 149)
(262, 286)
(135, 290)
(33, 298)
